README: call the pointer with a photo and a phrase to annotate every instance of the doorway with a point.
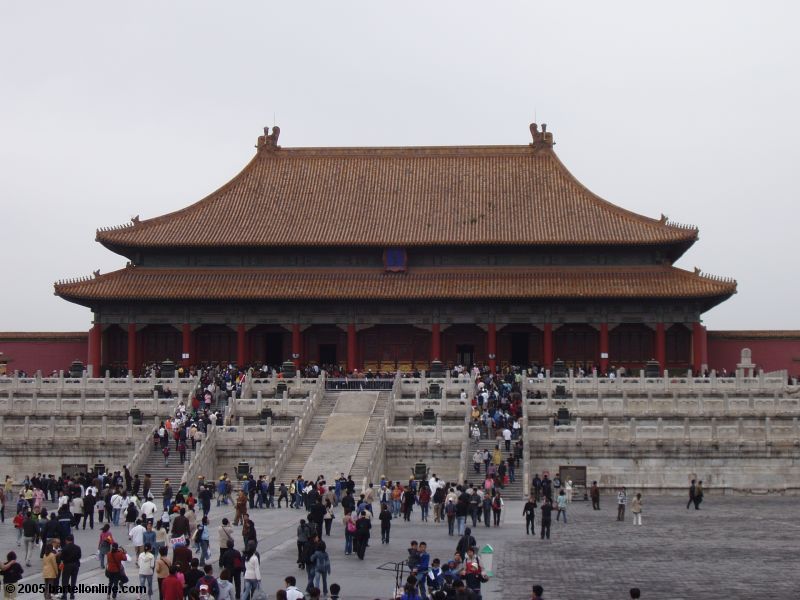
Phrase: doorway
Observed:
(327, 354)
(519, 349)
(273, 352)
(465, 354)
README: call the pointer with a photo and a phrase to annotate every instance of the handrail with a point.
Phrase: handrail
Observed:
(526, 453)
(139, 455)
(378, 458)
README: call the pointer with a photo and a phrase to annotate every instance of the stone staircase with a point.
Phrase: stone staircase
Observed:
(512, 491)
(365, 451)
(297, 462)
(154, 464)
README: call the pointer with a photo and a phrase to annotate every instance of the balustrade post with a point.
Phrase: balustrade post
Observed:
(107, 401)
(686, 431)
(579, 431)
(666, 380)
(714, 439)
(52, 428)
(795, 430)
(259, 402)
(701, 404)
(155, 402)
(726, 403)
(285, 401)
(417, 402)
(268, 438)
(78, 423)
(632, 425)
(768, 430)
(2, 425)
(438, 430)
(606, 431)
(34, 402)
(83, 399)
(58, 401)
(624, 403)
(104, 428)
(659, 429)
(27, 429)
(241, 428)
(129, 429)
(410, 432)
(740, 429)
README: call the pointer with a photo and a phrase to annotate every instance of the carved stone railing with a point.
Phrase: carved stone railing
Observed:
(204, 461)
(377, 460)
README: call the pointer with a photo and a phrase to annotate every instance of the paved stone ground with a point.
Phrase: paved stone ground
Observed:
(736, 547)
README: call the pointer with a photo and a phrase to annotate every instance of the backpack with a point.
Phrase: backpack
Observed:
(238, 563)
(450, 509)
(351, 527)
(132, 511)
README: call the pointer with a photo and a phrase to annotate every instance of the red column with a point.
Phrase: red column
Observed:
(698, 343)
(436, 342)
(95, 346)
(548, 346)
(241, 345)
(604, 348)
(296, 344)
(351, 347)
(491, 346)
(186, 331)
(132, 348)
(661, 345)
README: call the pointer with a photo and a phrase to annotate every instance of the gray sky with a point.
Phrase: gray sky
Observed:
(110, 109)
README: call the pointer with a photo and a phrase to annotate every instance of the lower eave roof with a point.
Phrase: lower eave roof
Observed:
(211, 284)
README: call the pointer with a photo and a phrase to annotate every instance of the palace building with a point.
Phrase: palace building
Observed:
(387, 258)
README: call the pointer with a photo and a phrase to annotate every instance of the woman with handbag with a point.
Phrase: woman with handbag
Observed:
(104, 545)
(115, 571)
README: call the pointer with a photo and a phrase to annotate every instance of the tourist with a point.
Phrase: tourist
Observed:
(226, 588)
(115, 571)
(487, 509)
(202, 536)
(636, 509)
(537, 592)
(170, 587)
(29, 532)
(70, 564)
(622, 500)
(104, 544)
(547, 511)
(292, 593)
(328, 517)
(385, 517)
(465, 542)
(146, 562)
(497, 508)
(12, 573)
(50, 568)
(233, 562)
(321, 567)
(164, 569)
(692, 493)
(561, 503)
(635, 593)
(594, 494)
(529, 512)
(363, 526)
(698, 495)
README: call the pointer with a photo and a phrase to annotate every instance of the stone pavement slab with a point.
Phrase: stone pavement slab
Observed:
(735, 547)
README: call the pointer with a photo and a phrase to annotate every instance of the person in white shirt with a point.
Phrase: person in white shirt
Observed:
(146, 562)
(507, 438)
(148, 509)
(118, 504)
(252, 572)
(136, 536)
(292, 593)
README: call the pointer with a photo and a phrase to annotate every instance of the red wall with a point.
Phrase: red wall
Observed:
(771, 351)
(47, 352)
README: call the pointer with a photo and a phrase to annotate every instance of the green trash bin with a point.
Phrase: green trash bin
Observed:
(136, 415)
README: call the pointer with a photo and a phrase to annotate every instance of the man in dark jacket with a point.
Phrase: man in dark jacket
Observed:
(88, 509)
(70, 558)
(180, 526)
(528, 511)
(232, 561)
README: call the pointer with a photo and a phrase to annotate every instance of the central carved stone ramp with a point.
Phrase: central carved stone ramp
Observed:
(370, 440)
(344, 432)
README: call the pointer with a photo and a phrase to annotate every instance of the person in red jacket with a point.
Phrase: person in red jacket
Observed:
(172, 588)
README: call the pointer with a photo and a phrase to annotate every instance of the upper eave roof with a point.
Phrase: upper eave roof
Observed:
(407, 196)
(280, 284)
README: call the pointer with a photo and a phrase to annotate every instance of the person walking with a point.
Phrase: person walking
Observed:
(146, 562)
(385, 517)
(594, 494)
(12, 572)
(497, 508)
(362, 534)
(322, 567)
(71, 564)
(561, 503)
(50, 568)
(547, 514)
(636, 509)
(114, 568)
(622, 500)
(698, 495)
(529, 512)
(252, 571)
(692, 493)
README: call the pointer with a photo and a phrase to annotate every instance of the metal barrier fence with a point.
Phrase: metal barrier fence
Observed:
(359, 384)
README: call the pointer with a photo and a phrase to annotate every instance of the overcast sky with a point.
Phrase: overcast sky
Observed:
(111, 109)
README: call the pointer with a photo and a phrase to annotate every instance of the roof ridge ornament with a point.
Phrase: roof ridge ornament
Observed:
(269, 140)
(543, 138)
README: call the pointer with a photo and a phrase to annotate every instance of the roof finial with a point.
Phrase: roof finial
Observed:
(269, 140)
(543, 138)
